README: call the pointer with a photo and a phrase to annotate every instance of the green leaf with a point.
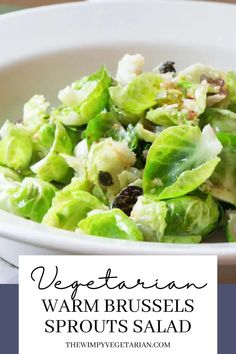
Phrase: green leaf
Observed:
(71, 206)
(84, 99)
(15, 147)
(113, 224)
(7, 173)
(168, 116)
(53, 166)
(9, 184)
(43, 139)
(222, 183)
(102, 126)
(191, 216)
(123, 117)
(180, 160)
(33, 199)
(221, 120)
(71, 190)
(180, 220)
(146, 131)
(139, 95)
(106, 125)
(149, 215)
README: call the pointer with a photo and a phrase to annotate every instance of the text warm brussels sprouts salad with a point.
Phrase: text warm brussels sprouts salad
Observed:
(145, 156)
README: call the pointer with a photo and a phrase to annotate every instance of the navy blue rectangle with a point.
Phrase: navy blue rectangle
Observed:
(226, 319)
(8, 319)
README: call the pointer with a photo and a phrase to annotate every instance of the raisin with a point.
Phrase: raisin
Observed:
(215, 82)
(127, 198)
(167, 67)
(105, 178)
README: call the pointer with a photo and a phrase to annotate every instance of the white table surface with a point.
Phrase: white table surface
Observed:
(8, 273)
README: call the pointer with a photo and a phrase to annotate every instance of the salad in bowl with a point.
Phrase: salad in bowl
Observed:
(142, 156)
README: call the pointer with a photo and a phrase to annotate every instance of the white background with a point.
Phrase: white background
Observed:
(182, 269)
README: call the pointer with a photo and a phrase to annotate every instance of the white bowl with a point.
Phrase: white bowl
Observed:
(45, 48)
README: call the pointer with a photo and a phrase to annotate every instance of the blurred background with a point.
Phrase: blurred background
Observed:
(10, 5)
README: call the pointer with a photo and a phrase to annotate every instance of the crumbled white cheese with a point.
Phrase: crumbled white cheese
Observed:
(210, 145)
(68, 96)
(129, 67)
